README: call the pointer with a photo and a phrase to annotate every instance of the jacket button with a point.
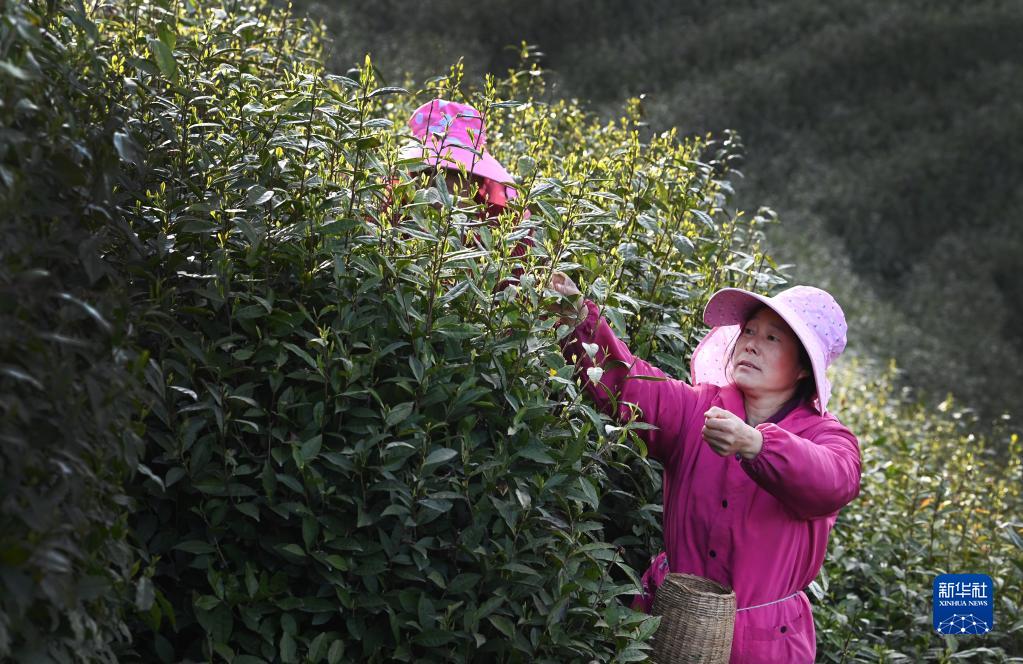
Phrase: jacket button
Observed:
(784, 629)
(713, 553)
(724, 503)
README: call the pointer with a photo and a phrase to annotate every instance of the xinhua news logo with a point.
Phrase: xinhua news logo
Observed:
(964, 604)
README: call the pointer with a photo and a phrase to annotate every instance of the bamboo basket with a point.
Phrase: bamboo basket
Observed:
(698, 620)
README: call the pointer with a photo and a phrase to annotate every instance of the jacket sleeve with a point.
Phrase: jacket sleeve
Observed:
(813, 478)
(662, 402)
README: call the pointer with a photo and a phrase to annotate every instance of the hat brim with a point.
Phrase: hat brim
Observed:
(452, 156)
(729, 307)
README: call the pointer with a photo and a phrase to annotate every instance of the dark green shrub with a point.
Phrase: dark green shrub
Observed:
(935, 499)
(359, 451)
(69, 434)
(890, 126)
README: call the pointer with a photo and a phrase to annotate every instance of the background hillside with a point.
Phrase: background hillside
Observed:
(884, 135)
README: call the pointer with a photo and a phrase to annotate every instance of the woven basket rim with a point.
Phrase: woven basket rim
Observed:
(678, 578)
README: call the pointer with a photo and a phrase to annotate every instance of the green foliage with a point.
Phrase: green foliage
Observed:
(935, 499)
(883, 131)
(69, 434)
(358, 450)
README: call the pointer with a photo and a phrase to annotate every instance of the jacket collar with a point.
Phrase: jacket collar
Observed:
(733, 401)
(801, 418)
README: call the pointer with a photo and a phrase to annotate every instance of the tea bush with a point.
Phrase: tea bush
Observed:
(357, 447)
(888, 125)
(935, 499)
(69, 430)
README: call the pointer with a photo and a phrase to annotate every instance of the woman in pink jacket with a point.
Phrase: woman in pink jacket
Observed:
(450, 136)
(755, 467)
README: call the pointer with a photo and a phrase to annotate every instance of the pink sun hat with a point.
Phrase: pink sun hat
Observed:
(813, 314)
(453, 135)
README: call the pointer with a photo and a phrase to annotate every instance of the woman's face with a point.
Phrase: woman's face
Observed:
(766, 356)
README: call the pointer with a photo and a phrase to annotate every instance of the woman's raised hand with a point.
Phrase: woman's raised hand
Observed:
(727, 434)
(569, 314)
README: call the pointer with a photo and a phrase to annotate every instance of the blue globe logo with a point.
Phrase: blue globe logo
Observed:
(963, 624)
(963, 604)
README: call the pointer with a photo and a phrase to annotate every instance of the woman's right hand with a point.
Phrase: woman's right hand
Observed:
(573, 313)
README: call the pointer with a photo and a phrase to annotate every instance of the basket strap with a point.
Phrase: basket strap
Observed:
(757, 606)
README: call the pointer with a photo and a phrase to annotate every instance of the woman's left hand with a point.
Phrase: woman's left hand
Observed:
(572, 315)
(728, 435)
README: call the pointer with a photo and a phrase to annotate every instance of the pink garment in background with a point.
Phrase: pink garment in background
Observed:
(758, 526)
